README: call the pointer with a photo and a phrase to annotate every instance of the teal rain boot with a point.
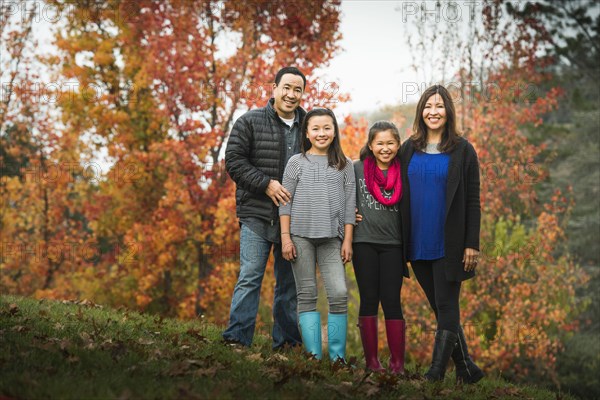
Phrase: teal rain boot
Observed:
(310, 326)
(336, 336)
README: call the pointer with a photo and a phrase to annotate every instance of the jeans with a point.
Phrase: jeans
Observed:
(326, 253)
(254, 253)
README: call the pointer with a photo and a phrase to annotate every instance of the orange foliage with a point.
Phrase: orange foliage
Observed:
(158, 91)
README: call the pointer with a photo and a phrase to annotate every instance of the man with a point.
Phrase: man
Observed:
(260, 144)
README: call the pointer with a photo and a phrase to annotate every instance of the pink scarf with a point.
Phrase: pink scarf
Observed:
(376, 181)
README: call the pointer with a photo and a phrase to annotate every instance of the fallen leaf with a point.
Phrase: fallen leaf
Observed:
(506, 391)
(196, 334)
(254, 357)
(271, 373)
(13, 309)
(196, 363)
(20, 328)
(209, 372)
(371, 390)
(64, 344)
(278, 357)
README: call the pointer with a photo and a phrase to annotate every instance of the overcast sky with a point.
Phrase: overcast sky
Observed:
(375, 59)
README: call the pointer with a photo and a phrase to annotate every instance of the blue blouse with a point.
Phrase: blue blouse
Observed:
(427, 177)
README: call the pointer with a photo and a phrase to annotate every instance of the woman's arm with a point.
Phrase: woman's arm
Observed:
(473, 205)
(473, 210)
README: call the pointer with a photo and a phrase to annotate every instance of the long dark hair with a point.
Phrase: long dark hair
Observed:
(335, 154)
(379, 126)
(450, 134)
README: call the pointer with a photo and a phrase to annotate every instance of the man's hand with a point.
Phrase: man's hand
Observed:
(277, 193)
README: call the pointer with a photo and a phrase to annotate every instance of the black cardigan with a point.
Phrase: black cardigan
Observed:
(463, 209)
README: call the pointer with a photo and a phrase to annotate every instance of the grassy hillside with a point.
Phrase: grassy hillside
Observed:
(77, 350)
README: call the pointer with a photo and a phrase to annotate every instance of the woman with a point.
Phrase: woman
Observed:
(441, 213)
(378, 258)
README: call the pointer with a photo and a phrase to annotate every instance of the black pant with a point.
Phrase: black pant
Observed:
(441, 293)
(378, 269)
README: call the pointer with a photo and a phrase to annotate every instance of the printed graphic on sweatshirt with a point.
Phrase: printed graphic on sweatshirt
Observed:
(368, 201)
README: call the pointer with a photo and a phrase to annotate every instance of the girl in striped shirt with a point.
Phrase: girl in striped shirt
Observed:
(316, 228)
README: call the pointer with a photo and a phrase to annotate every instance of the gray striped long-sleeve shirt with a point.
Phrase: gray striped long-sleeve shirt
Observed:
(323, 197)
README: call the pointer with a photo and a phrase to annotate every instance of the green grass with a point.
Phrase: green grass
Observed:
(79, 350)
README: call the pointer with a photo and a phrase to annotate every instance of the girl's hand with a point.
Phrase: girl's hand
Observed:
(470, 259)
(346, 251)
(288, 250)
(358, 216)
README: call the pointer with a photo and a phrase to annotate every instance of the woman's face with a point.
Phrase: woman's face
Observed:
(434, 114)
(384, 147)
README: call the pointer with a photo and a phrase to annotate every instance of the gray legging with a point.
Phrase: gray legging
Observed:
(326, 253)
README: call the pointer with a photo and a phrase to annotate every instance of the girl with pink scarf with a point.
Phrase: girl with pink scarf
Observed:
(377, 244)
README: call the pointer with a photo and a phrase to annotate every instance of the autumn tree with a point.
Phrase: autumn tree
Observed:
(41, 220)
(159, 84)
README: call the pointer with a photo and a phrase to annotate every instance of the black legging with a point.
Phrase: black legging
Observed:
(441, 293)
(378, 270)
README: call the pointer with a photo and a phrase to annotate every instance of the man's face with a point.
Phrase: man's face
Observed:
(288, 95)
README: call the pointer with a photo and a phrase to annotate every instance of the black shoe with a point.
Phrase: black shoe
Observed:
(445, 341)
(466, 370)
(233, 343)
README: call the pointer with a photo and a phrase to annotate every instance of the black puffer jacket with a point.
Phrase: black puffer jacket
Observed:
(255, 154)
